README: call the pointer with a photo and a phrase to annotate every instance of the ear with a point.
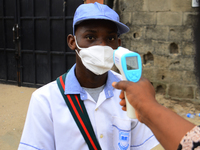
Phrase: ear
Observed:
(71, 42)
(119, 42)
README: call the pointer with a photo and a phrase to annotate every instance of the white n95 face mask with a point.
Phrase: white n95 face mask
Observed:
(98, 59)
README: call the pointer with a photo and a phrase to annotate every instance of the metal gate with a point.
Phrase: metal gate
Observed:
(33, 40)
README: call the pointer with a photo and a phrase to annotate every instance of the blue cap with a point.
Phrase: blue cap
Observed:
(98, 11)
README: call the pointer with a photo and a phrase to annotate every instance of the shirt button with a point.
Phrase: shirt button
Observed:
(101, 136)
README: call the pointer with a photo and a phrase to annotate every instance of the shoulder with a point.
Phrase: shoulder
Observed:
(45, 93)
(44, 90)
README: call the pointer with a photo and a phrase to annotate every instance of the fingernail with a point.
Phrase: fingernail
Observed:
(113, 84)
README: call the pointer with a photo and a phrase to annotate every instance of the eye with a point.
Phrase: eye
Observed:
(90, 38)
(111, 38)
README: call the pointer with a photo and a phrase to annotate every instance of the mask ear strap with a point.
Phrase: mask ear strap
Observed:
(77, 53)
(76, 42)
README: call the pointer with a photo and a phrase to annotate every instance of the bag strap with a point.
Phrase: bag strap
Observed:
(80, 115)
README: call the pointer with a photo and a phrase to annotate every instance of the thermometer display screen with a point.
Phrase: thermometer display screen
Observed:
(131, 63)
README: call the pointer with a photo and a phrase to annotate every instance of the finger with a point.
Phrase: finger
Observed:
(124, 108)
(121, 96)
(122, 102)
(120, 85)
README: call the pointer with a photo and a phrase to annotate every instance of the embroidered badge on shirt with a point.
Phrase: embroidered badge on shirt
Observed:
(123, 140)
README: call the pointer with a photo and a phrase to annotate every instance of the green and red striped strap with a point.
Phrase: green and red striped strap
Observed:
(80, 115)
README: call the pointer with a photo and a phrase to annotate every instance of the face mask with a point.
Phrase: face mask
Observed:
(98, 59)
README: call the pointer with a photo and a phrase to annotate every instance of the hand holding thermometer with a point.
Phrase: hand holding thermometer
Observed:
(130, 66)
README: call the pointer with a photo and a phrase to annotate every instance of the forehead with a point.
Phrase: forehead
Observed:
(97, 25)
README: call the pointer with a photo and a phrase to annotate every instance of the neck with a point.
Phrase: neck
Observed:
(90, 80)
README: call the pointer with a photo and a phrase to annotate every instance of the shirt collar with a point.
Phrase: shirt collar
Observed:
(108, 89)
(72, 85)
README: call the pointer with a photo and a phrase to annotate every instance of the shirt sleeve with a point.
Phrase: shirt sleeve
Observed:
(38, 129)
(191, 140)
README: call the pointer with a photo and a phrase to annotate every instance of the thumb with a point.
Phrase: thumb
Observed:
(122, 85)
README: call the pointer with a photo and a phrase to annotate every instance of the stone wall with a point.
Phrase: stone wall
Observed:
(161, 31)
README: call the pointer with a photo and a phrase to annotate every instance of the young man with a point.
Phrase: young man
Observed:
(50, 124)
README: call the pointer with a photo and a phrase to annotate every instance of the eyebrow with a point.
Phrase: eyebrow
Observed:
(93, 31)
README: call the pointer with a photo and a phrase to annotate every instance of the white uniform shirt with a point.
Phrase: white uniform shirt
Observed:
(50, 126)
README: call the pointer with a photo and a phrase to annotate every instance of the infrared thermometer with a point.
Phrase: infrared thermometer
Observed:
(130, 66)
